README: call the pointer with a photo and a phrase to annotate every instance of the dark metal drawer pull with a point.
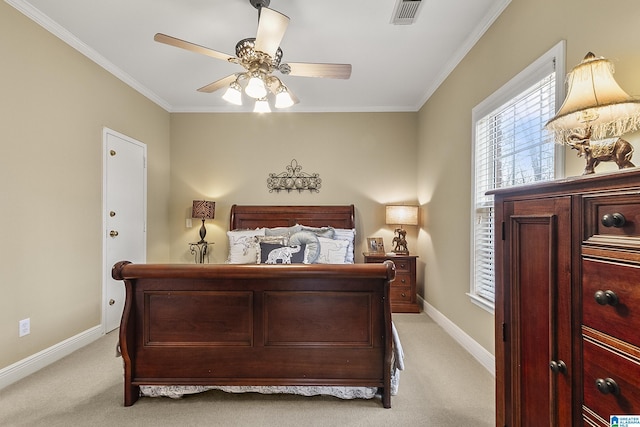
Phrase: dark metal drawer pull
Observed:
(606, 297)
(558, 367)
(607, 385)
(613, 220)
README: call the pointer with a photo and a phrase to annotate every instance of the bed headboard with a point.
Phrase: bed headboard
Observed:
(244, 217)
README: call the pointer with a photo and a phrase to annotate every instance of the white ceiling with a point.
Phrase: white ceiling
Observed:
(395, 67)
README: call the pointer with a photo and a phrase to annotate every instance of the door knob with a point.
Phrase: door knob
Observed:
(113, 233)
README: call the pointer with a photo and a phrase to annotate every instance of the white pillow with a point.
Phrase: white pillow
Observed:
(332, 251)
(348, 234)
(243, 246)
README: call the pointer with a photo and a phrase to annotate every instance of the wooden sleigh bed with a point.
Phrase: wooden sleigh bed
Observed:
(259, 325)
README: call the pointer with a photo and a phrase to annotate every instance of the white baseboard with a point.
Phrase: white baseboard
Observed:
(484, 357)
(35, 362)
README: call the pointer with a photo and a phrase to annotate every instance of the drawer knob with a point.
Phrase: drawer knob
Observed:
(613, 220)
(606, 297)
(607, 385)
(558, 367)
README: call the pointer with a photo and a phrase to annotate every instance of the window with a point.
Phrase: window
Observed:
(511, 147)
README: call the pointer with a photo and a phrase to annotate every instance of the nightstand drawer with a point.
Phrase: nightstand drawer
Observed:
(401, 294)
(402, 279)
(601, 365)
(618, 289)
(402, 266)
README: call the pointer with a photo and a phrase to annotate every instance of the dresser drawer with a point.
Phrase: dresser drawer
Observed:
(596, 208)
(615, 320)
(599, 363)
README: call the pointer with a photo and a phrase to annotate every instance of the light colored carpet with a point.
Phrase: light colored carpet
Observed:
(442, 385)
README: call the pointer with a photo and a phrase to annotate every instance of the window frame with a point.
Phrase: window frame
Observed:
(513, 88)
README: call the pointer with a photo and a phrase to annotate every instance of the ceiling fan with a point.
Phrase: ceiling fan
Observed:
(260, 57)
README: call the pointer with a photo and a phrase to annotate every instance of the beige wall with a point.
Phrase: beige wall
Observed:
(524, 31)
(54, 103)
(365, 159)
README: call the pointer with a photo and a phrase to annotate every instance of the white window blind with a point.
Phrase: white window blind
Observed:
(510, 148)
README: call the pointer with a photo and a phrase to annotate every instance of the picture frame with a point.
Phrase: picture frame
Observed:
(375, 245)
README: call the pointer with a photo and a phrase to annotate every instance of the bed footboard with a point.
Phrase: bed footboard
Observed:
(292, 325)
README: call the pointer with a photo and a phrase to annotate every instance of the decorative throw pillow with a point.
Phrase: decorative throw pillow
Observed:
(283, 231)
(348, 234)
(243, 246)
(327, 232)
(277, 240)
(272, 253)
(311, 242)
(332, 251)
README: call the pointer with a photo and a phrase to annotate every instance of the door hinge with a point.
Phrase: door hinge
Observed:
(504, 332)
(502, 230)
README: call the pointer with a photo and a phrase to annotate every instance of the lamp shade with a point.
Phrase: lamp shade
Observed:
(283, 98)
(256, 87)
(402, 215)
(233, 94)
(203, 209)
(596, 102)
(262, 106)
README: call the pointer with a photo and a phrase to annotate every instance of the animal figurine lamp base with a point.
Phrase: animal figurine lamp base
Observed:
(615, 150)
(400, 242)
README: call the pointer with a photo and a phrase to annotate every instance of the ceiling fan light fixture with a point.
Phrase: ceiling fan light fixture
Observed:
(262, 106)
(261, 56)
(233, 94)
(283, 98)
(256, 87)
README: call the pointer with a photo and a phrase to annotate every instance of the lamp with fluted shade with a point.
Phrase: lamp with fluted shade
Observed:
(400, 215)
(203, 209)
(595, 108)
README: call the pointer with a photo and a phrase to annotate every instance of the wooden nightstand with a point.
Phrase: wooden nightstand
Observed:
(403, 289)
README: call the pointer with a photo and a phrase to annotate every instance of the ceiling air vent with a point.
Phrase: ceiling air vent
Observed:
(405, 12)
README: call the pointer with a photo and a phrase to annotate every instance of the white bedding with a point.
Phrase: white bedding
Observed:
(397, 365)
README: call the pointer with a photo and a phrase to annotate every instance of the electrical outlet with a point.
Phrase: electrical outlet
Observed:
(24, 327)
(188, 223)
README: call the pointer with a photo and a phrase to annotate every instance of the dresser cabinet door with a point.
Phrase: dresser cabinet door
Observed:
(535, 283)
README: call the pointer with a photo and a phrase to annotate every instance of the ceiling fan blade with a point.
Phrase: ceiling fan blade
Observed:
(329, 71)
(271, 29)
(218, 84)
(172, 41)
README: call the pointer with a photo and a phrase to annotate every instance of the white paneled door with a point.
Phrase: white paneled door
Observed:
(124, 215)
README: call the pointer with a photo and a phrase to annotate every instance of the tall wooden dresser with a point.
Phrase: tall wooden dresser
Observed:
(568, 301)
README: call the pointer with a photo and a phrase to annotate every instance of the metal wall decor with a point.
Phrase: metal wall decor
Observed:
(294, 179)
